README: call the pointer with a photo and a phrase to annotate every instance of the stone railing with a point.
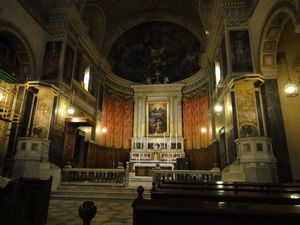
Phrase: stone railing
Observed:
(187, 175)
(109, 177)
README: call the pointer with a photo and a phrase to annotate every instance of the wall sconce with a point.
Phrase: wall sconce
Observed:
(2, 96)
(218, 108)
(203, 130)
(71, 110)
(104, 130)
(290, 88)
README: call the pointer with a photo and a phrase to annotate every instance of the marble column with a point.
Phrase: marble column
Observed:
(135, 118)
(140, 109)
(179, 116)
(171, 114)
(143, 115)
(175, 116)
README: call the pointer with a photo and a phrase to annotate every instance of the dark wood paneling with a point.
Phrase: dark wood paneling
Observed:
(100, 157)
(203, 159)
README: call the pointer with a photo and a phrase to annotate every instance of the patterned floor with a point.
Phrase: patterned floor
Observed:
(109, 212)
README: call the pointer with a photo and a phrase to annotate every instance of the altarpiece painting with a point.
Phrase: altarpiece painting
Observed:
(157, 119)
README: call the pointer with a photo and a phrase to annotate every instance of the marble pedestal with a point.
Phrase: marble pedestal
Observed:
(31, 159)
(256, 158)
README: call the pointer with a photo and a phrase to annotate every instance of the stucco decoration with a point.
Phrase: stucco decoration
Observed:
(152, 47)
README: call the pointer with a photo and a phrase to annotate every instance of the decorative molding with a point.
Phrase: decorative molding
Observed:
(195, 85)
(118, 87)
(68, 3)
(170, 88)
(237, 22)
(269, 73)
(238, 8)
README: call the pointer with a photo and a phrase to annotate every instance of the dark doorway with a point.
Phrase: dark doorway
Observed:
(223, 152)
(79, 149)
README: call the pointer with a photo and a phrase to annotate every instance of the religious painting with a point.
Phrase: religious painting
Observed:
(241, 60)
(69, 62)
(224, 58)
(166, 47)
(51, 60)
(157, 118)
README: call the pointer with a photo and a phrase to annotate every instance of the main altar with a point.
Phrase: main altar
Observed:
(157, 133)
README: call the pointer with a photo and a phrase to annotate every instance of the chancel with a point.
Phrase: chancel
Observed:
(187, 98)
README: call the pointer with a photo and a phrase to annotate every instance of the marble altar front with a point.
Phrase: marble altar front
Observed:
(157, 132)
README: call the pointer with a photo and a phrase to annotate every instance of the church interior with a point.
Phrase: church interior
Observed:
(124, 92)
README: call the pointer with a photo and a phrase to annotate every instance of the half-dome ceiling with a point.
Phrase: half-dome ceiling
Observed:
(163, 47)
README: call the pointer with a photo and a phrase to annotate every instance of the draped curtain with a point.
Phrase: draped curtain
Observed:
(195, 116)
(117, 117)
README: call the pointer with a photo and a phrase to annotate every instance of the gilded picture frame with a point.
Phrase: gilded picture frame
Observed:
(157, 119)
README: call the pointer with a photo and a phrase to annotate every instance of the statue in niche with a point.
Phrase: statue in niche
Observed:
(148, 81)
(166, 80)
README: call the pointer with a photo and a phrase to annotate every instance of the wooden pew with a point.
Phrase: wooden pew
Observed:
(25, 201)
(190, 209)
(229, 192)
(185, 212)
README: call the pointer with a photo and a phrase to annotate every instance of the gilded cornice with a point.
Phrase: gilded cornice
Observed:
(239, 8)
(158, 90)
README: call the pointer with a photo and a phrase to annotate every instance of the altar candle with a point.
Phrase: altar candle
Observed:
(176, 141)
(164, 140)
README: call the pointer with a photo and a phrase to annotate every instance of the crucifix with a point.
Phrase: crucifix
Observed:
(157, 74)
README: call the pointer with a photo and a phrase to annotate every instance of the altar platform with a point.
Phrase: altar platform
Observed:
(146, 168)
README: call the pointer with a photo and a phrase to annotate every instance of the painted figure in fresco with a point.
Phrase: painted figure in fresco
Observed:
(51, 60)
(158, 126)
(240, 50)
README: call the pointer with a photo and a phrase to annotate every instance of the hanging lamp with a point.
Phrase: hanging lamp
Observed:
(290, 87)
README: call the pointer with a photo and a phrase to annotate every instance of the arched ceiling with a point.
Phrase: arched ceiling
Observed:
(118, 11)
(146, 36)
(110, 23)
(155, 48)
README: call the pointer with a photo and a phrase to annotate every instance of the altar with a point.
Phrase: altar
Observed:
(146, 169)
(157, 131)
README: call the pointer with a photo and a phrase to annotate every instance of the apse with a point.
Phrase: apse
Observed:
(163, 47)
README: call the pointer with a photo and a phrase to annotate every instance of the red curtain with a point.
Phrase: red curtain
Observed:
(195, 116)
(117, 116)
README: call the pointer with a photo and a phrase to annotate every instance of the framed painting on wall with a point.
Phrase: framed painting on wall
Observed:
(157, 118)
(51, 60)
(241, 59)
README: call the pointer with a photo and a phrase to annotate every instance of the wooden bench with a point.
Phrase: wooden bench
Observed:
(188, 212)
(229, 192)
(218, 203)
(25, 201)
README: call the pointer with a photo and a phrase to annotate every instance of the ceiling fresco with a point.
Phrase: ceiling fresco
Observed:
(154, 51)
